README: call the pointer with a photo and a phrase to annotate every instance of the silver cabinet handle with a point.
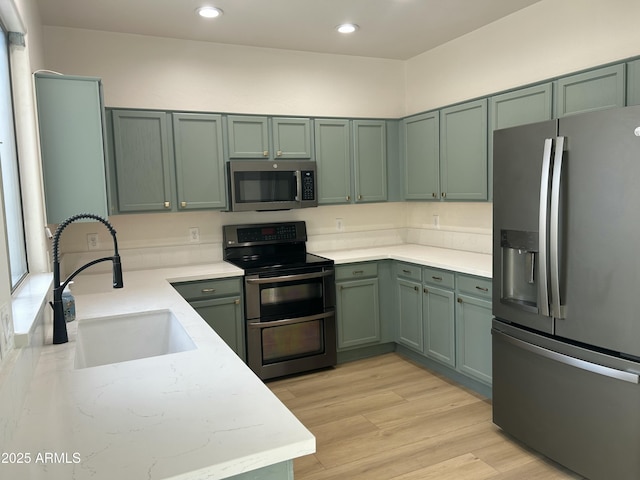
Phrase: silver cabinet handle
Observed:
(482, 289)
(289, 278)
(167, 204)
(357, 272)
(568, 360)
(406, 271)
(437, 279)
(557, 309)
(265, 153)
(208, 290)
(543, 287)
(290, 321)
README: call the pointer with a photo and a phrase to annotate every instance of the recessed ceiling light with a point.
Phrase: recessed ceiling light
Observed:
(209, 12)
(347, 28)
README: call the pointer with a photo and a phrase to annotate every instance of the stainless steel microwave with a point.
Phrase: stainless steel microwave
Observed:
(271, 185)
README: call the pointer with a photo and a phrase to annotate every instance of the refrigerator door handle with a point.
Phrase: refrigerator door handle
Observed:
(557, 309)
(568, 360)
(543, 287)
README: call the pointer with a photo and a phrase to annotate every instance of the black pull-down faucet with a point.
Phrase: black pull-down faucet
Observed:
(59, 322)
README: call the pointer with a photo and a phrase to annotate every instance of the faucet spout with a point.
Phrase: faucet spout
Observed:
(59, 322)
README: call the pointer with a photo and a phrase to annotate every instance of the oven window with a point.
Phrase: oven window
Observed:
(291, 299)
(296, 340)
(251, 187)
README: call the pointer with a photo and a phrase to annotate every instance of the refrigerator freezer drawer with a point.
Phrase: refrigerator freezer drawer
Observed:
(580, 414)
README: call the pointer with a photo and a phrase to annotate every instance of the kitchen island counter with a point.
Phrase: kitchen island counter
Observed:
(196, 414)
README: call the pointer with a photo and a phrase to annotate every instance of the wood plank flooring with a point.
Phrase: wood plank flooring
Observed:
(386, 418)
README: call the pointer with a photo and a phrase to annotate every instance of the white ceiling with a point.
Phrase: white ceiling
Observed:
(394, 29)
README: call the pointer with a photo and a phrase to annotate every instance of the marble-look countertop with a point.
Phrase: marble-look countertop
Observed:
(479, 264)
(190, 415)
(195, 414)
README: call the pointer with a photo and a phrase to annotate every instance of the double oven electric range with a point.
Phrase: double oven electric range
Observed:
(289, 298)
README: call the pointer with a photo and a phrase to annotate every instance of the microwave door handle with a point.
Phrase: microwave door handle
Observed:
(543, 286)
(298, 175)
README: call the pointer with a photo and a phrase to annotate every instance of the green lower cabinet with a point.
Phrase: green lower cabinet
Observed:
(357, 304)
(224, 315)
(439, 312)
(410, 331)
(473, 325)
(219, 303)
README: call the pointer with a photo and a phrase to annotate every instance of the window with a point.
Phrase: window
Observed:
(10, 174)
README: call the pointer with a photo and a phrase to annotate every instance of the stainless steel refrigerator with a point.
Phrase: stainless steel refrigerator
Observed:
(566, 290)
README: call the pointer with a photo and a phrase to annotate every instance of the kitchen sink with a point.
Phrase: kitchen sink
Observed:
(121, 338)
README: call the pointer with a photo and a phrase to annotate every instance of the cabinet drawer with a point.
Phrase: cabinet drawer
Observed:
(208, 288)
(408, 270)
(433, 276)
(477, 286)
(356, 270)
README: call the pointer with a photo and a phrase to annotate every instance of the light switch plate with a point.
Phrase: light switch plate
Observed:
(92, 241)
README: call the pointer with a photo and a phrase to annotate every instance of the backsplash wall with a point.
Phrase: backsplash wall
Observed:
(162, 239)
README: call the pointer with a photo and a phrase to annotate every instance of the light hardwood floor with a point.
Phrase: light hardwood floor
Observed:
(386, 418)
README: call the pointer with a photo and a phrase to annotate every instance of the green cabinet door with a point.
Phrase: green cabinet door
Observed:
(333, 159)
(248, 136)
(633, 82)
(473, 323)
(589, 91)
(291, 137)
(370, 160)
(358, 316)
(70, 121)
(410, 326)
(526, 105)
(142, 161)
(438, 309)
(463, 151)
(421, 158)
(224, 315)
(197, 140)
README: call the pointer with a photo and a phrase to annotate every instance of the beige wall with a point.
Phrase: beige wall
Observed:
(163, 73)
(547, 39)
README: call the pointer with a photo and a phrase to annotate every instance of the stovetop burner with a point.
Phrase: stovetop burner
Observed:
(269, 246)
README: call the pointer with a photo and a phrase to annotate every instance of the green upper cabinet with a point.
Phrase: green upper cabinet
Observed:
(421, 156)
(291, 137)
(589, 91)
(519, 107)
(70, 121)
(370, 160)
(142, 161)
(167, 161)
(633, 82)
(199, 161)
(249, 137)
(333, 158)
(463, 151)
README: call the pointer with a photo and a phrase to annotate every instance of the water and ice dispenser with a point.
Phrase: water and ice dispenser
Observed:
(519, 269)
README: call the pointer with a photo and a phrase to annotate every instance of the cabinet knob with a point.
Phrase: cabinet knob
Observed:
(348, 197)
(359, 197)
(444, 194)
(459, 300)
(183, 204)
(279, 153)
(426, 290)
(434, 195)
(265, 153)
(237, 301)
(167, 204)
(416, 288)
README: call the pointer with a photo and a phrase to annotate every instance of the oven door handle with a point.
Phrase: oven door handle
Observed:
(290, 278)
(290, 321)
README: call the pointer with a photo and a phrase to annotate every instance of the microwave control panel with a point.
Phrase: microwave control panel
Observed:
(308, 186)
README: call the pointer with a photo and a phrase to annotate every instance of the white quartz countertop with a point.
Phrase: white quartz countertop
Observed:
(190, 415)
(479, 264)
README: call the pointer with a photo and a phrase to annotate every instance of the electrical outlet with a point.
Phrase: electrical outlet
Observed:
(436, 221)
(92, 241)
(339, 225)
(194, 235)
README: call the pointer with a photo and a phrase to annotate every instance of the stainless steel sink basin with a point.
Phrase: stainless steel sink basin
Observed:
(122, 338)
